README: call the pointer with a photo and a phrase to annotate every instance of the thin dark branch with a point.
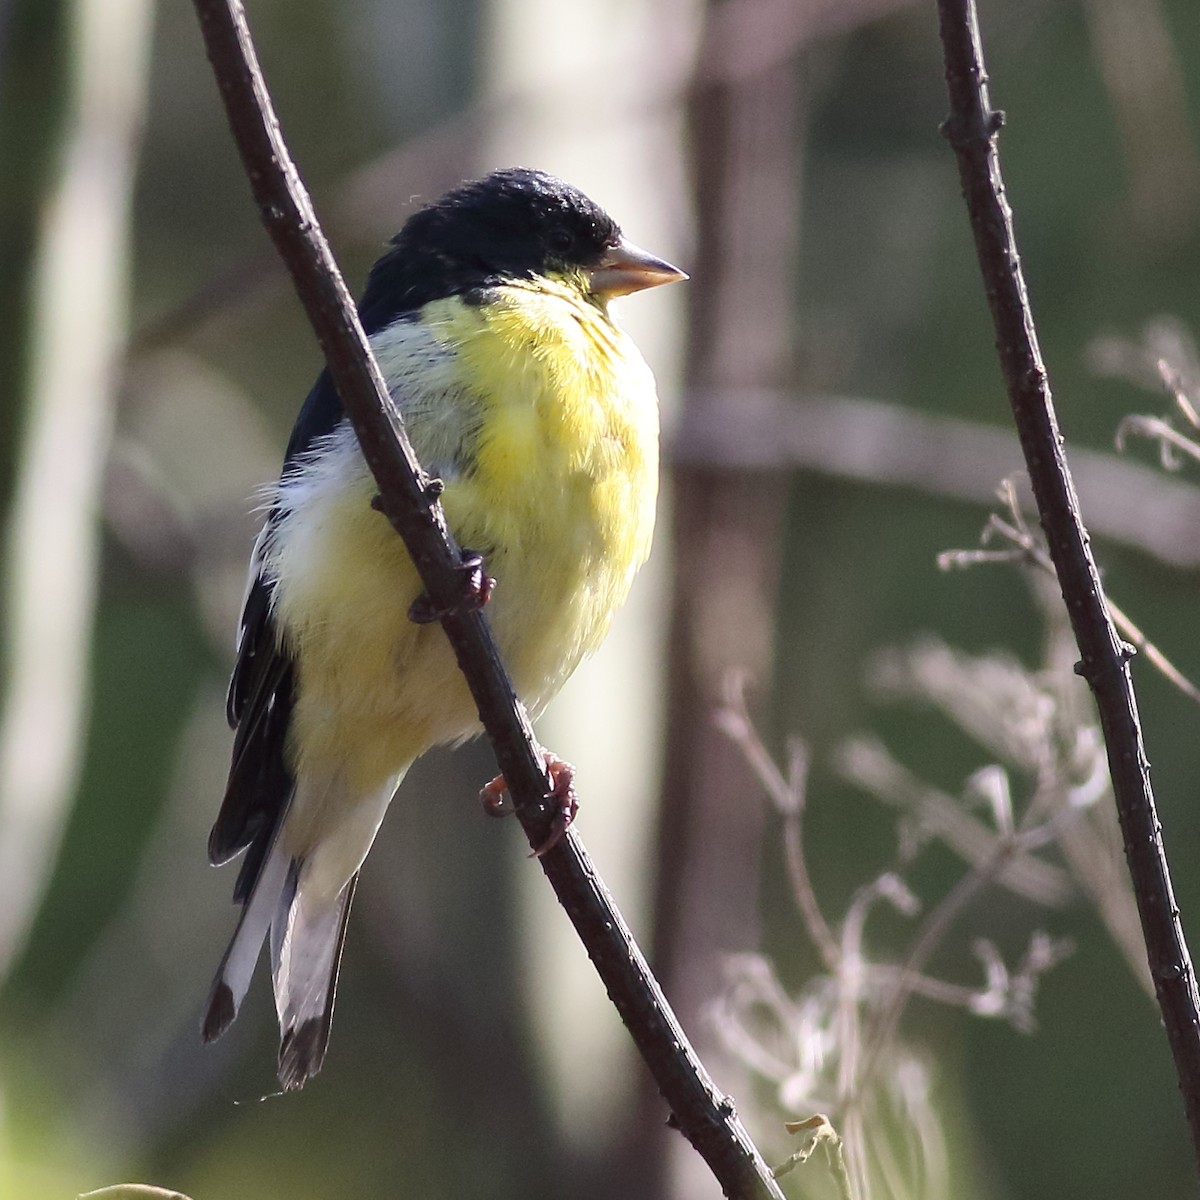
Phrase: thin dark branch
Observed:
(705, 1116)
(971, 128)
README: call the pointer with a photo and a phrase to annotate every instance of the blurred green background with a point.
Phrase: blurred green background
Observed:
(473, 1054)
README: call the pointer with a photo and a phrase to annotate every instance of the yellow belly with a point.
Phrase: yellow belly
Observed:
(557, 491)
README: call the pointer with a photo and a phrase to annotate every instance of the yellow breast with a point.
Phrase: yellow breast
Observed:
(541, 417)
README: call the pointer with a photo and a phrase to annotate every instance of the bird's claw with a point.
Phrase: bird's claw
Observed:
(494, 797)
(562, 789)
(476, 592)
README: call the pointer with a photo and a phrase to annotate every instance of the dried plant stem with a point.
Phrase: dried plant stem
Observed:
(971, 128)
(788, 796)
(1029, 551)
(1163, 432)
(933, 932)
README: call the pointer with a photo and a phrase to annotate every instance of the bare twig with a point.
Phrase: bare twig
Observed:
(971, 128)
(1165, 360)
(1006, 994)
(817, 1130)
(1026, 548)
(932, 934)
(1156, 429)
(867, 763)
(705, 1116)
(788, 797)
(1164, 357)
(1033, 723)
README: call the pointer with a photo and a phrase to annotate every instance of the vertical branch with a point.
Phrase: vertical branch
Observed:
(971, 128)
(52, 553)
(727, 521)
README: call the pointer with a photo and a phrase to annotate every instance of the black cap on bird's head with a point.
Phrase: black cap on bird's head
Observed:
(511, 224)
(514, 222)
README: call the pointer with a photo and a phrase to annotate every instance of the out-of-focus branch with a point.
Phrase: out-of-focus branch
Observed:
(867, 764)
(880, 442)
(747, 141)
(1171, 442)
(932, 934)
(835, 1046)
(744, 40)
(705, 1117)
(870, 441)
(1141, 68)
(52, 554)
(971, 128)
(1174, 370)
(788, 796)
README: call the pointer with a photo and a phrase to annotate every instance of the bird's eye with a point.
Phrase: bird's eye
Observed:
(561, 242)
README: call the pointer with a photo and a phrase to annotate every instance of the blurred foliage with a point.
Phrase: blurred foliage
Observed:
(132, 1191)
(433, 1077)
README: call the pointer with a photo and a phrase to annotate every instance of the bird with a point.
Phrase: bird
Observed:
(489, 317)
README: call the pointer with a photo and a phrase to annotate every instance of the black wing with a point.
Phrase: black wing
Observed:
(261, 691)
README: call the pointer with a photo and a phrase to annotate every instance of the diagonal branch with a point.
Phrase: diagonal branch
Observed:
(410, 502)
(971, 128)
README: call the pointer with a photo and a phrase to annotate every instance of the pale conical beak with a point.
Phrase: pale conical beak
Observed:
(628, 268)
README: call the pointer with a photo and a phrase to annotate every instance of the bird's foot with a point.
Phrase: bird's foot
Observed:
(476, 592)
(496, 803)
(562, 789)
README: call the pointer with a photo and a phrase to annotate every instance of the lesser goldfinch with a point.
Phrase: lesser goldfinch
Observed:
(489, 317)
